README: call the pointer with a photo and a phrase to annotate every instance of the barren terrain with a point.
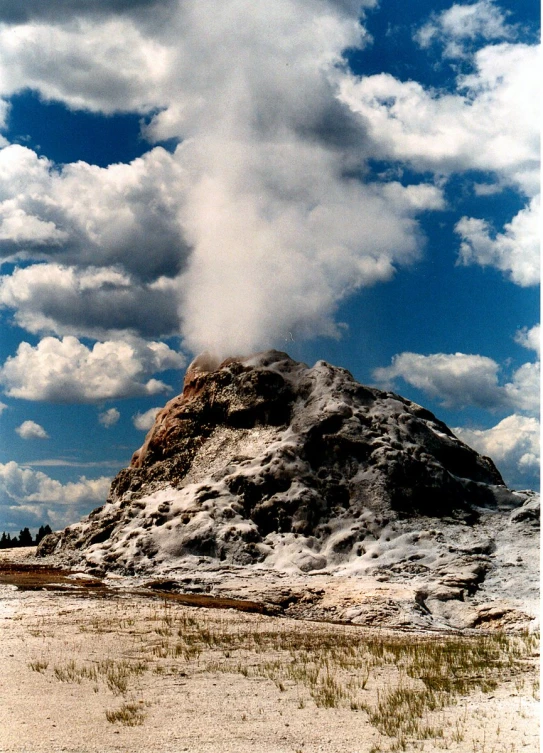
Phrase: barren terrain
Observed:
(88, 668)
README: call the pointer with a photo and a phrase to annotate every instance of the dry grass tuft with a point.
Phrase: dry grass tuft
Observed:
(38, 665)
(129, 714)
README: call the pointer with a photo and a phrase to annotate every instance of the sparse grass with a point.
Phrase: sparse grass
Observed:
(38, 665)
(341, 667)
(106, 624)
(129, 714)
(115, 674)
(401, 683)
(72, 672)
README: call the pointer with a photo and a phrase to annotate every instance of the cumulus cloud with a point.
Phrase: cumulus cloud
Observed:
(458, 26)
(97, 302)
(523, 392)
(513, 444)
(515, 251)
(32, 498)
(134, 61)
(82, 214)
(144, 421)
(264, 219)
(28, 486)
(3, 407)
(109, 417)
(31, 430)
(66, 371)
(530, 338)
(458, 379)
(127, 65)
(257, 216)
(491, 123)
(15, 12)
(19, 228)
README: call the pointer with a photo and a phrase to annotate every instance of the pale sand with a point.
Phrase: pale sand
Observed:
(192, 708)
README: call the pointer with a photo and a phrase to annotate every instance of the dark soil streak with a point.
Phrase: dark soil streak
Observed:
(44, 578)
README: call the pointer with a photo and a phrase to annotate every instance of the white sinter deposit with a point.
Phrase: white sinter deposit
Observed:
(265, 465)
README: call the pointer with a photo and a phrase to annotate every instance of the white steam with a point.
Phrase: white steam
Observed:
(280, 229)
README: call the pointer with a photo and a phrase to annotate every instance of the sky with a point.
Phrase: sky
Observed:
(350, 181)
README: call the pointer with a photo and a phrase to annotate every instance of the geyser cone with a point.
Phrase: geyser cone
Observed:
(264, 460)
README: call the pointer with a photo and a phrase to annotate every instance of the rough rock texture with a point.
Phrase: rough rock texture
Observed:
(264, 461)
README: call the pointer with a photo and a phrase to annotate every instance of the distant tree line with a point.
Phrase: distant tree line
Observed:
(24, 538)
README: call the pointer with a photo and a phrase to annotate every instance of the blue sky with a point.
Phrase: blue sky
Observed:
(355, 182)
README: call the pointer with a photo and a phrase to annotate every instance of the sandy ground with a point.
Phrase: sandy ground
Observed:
(215, 701)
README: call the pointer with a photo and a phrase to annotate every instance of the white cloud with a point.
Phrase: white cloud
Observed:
(457, 379)
(4, 110)
(97, 302)
(31, 498)
(67, 371)
(94, 216)
(174, 56)
(127, 66)
(514, 252)
(3, 407)
(461, 24)
(18, 227)
(26, 485)
(65, 463)
(460, 380)
(31, 430)
(109, 417)
(294, 239)
(523, 392)
(491, 123)
(257, 225)
(256, 215)
(530, 338)
(144, 421)
(487, 189)
(21, 171)
(513, 444)
(15, 12)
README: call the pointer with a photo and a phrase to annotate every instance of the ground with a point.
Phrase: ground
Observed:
(90, 671)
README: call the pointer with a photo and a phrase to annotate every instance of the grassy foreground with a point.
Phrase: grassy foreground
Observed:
(402, 684)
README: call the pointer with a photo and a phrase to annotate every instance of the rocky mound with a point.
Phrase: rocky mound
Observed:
(264, 461)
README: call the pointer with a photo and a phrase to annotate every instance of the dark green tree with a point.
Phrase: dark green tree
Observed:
(25, 538)
(43, 531)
